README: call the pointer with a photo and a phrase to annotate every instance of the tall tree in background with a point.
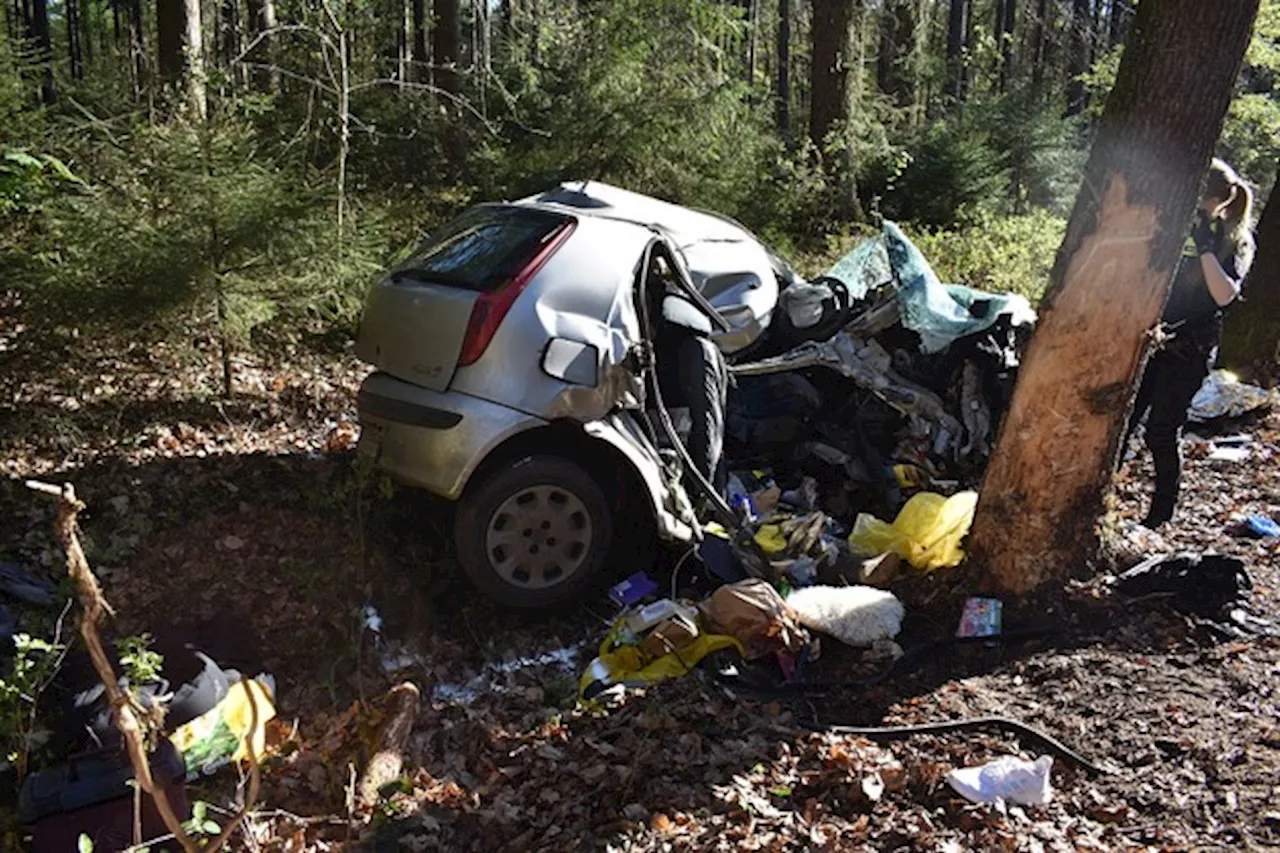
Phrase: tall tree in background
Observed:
(831, 103)
(44, 46)
(784, 69)
(1252, 334)
(1044, 489)
(444, 41)
(897, 50)
(1006, 22)
(420, 56)
(957, 75)
(262, 21)
(180, 49)
(1039, 44)
(1079, 56)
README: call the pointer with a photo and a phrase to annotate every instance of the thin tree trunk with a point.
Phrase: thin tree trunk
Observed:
(44, 48)
(753, 27)
(420, 57)
(231, 40)
(1251, 338)
(85, 18)
(1081, 28)
(897, 49)
(1044, 489)
(137, 48)
(73, 39)
(955, 50)
(445, 37)
(262, 20)
(1039, 53)
(784, 70)
(1007, 56)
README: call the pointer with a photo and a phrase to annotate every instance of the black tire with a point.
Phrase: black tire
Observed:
(567, 492)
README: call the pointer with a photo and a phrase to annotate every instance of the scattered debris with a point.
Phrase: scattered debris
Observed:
(856, 615)
(981, 617)
(1007, 779)
(1224, 396)
(927, 532)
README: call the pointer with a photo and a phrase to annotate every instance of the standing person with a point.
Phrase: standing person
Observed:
(1215, 260)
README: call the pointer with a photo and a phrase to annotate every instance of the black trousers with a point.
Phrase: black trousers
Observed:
(1172, 377)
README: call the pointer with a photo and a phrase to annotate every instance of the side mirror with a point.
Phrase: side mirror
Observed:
(572, 361)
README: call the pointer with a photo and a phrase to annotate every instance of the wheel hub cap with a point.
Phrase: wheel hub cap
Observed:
(539, 537)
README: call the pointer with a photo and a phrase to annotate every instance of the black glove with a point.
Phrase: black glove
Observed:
(1202, 234)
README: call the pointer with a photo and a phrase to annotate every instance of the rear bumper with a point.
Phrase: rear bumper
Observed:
(430, 439)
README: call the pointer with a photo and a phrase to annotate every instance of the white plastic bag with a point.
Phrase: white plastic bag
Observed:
(1006, 779)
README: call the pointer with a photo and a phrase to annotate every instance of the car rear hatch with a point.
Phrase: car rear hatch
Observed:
(440, 308)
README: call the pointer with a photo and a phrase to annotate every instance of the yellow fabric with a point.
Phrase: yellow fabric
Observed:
(927, 532)
(770, 539)
(221, 734)
(625, 664)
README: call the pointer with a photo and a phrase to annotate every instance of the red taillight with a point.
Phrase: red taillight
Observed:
(489, 310)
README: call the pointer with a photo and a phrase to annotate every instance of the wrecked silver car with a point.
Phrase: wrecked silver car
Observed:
(561, 367)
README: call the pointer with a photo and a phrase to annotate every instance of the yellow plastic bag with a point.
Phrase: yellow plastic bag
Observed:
(618, 664)
(927, 532)
(221, 734)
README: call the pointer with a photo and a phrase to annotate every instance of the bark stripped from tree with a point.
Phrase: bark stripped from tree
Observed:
(1044, 489)
(1251, 338)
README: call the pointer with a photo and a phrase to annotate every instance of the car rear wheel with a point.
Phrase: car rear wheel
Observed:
(535, 533)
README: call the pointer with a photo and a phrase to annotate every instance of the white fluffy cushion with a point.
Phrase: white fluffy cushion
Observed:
(857, 615)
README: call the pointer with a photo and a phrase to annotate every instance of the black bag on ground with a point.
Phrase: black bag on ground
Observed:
(1197, 583)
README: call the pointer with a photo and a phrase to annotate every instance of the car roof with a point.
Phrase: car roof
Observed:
(593, 198)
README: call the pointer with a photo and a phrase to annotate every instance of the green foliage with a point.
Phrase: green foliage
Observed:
(140, 664)
(34, 663)
(1003, 254)
(950, 172)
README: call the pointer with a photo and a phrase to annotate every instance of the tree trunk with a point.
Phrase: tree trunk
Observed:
(753, 27)
(44, 48)
(137, 48)
(1081, 28)
(829, 81)
(1044, 489)
(784, 69)
(420, 56)
(1039, 55)
(1251, 338)
(897, 50)
(230, 26)
(444, 41)
(262, 20)
(956, 73)
(830, 100)
(180, 49)
(73, 40)
(1008, 23)
(85, 18)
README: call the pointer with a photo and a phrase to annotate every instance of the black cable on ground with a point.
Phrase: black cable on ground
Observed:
(973, 723)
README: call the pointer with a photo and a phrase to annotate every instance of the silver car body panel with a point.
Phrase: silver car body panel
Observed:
(582, 294)
(727, 263)
(579, 305)
(400, 347)
(397, 434)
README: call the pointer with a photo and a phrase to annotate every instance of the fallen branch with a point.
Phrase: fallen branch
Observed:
(393, 736)
(93, 606)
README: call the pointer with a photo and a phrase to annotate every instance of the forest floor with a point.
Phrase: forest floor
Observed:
(244, 525)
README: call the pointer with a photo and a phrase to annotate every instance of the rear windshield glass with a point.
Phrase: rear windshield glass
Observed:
(482, 249)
